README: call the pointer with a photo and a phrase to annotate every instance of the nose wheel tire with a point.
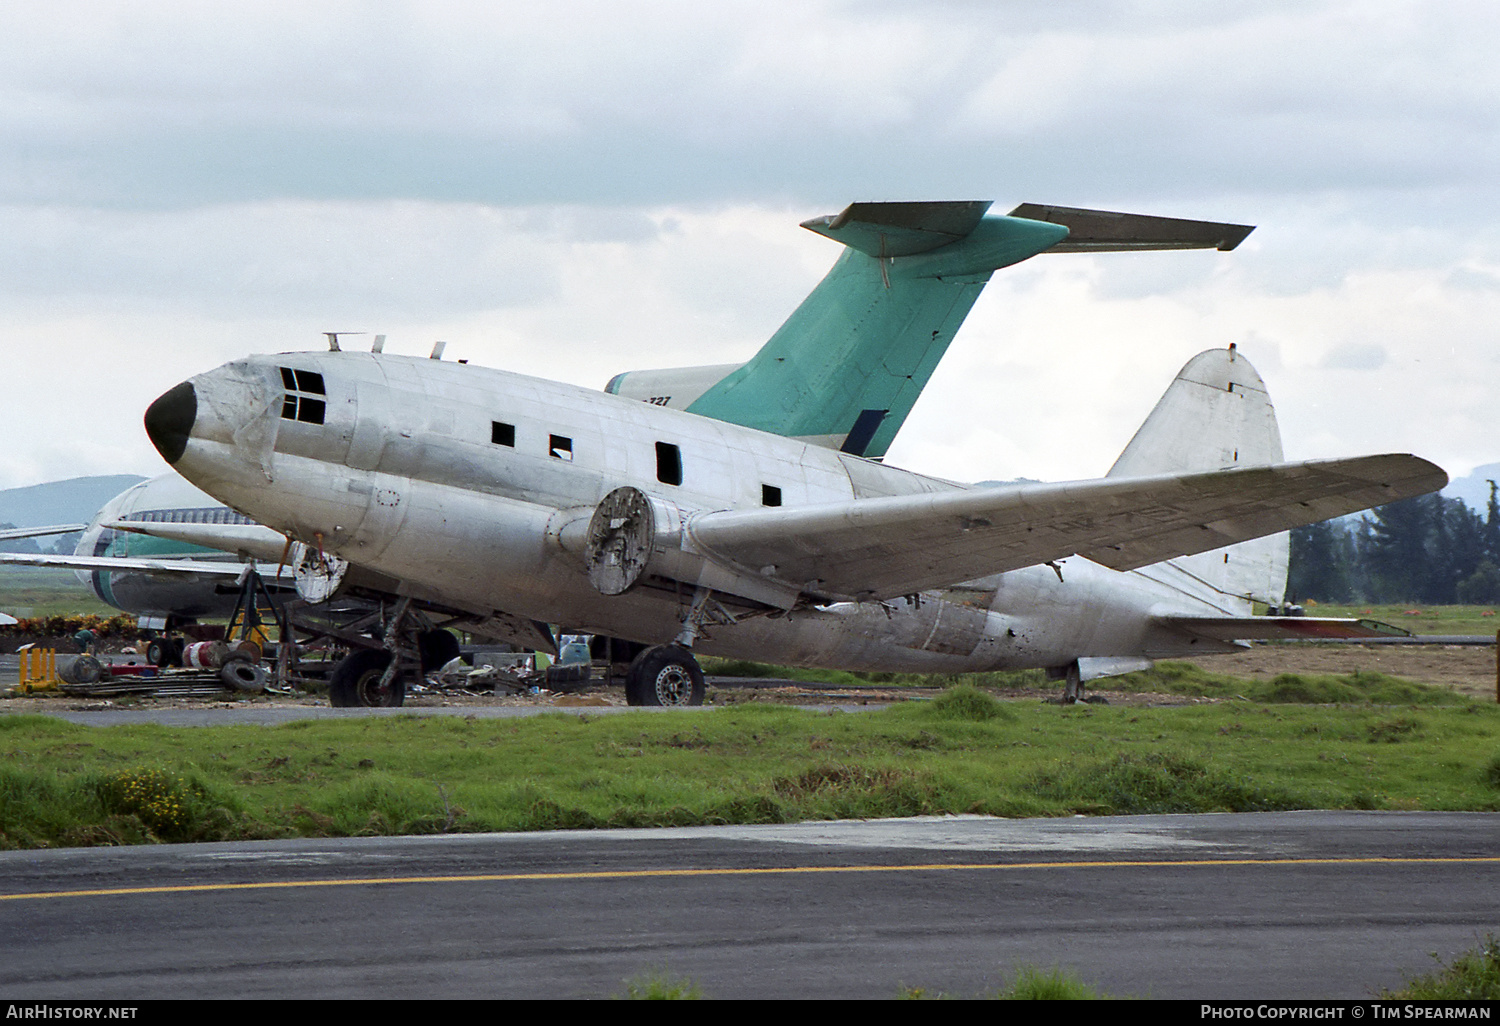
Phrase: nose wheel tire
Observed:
(356, 681)
(664, 675)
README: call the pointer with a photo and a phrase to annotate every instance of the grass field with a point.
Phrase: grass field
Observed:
(44, 591)
(1420, 619)
(62, 784)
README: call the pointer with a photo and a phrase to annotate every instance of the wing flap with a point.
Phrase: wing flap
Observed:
(886, 547)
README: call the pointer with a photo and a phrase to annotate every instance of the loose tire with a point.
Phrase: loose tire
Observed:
(664, 675)
(356, 681)
(243, 675)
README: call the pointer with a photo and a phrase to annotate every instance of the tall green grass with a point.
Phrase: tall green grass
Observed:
(964, 752)
(1473, 976)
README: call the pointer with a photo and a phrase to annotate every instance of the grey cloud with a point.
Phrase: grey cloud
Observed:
(1355, 356)
(753, 103)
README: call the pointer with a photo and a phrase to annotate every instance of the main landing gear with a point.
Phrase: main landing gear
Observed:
(379, 677)
(668, 674)
(664, 675)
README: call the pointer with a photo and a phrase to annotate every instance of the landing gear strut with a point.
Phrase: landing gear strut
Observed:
(1073, 684)
(668, 674)
(379, 677)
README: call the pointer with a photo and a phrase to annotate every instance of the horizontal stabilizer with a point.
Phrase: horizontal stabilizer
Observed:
(1104, 231)
(1279, 628)
(901, 229)
(39, 532)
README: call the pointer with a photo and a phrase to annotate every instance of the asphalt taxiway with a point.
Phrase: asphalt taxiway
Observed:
(1276, 905)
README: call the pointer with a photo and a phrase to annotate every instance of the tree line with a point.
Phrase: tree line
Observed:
(1431, 550)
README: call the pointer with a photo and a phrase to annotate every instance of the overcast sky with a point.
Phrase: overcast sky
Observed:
(576, 189)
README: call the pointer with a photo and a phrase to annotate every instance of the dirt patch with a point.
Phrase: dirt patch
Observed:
(1468, 669)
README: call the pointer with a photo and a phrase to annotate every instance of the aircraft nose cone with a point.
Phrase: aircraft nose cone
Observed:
(169, 420)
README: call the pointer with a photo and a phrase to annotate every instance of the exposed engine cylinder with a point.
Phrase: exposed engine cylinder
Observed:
(622, 535)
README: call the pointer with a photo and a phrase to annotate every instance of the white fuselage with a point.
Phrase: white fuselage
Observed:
(466, 484)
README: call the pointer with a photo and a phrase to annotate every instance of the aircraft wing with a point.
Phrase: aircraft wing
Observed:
(178, 567)
(39, 532)
(254, 540)
(886, 547)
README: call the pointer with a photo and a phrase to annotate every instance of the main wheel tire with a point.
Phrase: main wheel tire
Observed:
(438, 648)
(356, 681)
(664, 675)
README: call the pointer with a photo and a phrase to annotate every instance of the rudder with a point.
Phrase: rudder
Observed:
(1216, 415)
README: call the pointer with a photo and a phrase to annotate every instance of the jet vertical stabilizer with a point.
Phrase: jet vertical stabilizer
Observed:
(1216, 415)
(846, 367)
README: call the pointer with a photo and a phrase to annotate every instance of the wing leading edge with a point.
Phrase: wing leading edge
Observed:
(887, 547)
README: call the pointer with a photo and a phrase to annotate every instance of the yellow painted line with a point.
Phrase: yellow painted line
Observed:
(637, 874)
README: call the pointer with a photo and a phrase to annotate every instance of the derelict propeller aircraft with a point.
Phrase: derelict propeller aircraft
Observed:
(518, 502)
(843, 372)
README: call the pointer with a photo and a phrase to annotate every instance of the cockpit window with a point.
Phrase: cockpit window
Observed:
(304, 396)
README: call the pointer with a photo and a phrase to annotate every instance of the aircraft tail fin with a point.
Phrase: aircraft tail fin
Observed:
(1216, 415)
(848, 365)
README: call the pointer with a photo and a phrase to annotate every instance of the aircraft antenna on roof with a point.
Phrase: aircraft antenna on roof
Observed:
(379, 345)
(437, 350)
(333, 339)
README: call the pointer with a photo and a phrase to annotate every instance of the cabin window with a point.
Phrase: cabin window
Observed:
(304, 399)
(502, 434)
(668, 463)
(770, 495)
(561, 448)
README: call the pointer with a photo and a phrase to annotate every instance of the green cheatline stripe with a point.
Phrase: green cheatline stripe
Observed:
(636, 874)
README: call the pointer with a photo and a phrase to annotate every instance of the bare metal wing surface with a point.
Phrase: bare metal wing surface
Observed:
(253, 540)
(40, 532)
(124, 564)
(880, 548)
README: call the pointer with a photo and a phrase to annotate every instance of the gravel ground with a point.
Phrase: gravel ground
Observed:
(1468, 669)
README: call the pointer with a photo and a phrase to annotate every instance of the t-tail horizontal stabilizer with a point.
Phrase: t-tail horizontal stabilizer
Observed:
(1280, 628)
(1105, 231)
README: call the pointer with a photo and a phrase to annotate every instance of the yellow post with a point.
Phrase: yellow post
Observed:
(37, 670)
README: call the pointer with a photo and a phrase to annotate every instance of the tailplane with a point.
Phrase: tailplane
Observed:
(848, 365)
(1216, 415)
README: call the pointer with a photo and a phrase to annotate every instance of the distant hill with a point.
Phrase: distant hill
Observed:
(1475, 489)
(73, 501)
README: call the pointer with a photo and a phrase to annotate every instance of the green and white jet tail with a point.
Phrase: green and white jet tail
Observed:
(849, 363)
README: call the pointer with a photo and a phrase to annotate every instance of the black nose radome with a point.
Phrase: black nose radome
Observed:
(169, 420)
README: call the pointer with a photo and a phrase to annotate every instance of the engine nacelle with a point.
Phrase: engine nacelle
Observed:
(632, 534)
(625, 531)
